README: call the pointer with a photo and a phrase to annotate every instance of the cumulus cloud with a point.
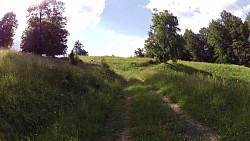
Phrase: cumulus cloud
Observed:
(195, 14)
(107, 42)
(80, 14)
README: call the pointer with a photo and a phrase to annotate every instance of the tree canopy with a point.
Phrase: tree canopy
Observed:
(229, 37)
(46, 33)
(140, 52)
(8, 25)
(162, 38)
(226, 40)
(78, 49)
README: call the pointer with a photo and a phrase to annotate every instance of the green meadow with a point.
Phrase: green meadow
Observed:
(217, 95)
(51, 99)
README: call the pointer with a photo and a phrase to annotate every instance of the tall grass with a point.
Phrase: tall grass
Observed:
(153, 120)
(221, 102)
(215, 94)
(49, 99)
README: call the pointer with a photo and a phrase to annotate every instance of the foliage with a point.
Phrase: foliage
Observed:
(197, 45)
(229, 37)
(46, 33)
(78, 49)
(8, 25)
(194, 45)
(247, 21)
(162, 37)
(140, 52)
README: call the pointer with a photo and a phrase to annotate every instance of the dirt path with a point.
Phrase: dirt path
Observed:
(207, 134)
(125, 133)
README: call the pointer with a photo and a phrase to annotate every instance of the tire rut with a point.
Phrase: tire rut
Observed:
(207, 134)
(125, 133)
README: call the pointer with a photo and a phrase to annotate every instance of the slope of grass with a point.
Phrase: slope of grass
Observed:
(49, 99)
(236, 72)
(215, 94)
(153, 120)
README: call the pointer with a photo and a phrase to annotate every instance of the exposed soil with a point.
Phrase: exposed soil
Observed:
(125, 133)
(207, 134)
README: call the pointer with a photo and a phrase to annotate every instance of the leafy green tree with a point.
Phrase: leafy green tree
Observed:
(182, 52)
(218, 39)
(230, 38)
(162, 37)
(46, 33)
(8, 25)
(140, 52)
(194, 45)
(208, 50)
(78, 49)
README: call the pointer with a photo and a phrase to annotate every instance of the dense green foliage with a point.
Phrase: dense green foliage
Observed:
(46, 33)
(197, 46)
(8, 25)
(215, 94)
(162, 41)
(229, 37)
(49, 99)
(226, 40)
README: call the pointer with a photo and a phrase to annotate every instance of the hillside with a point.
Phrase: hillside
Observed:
(215, 94)
(113, 98)
(50, 99)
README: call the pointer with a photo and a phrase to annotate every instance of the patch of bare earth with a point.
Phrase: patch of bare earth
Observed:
(125, 133)
(207, 134)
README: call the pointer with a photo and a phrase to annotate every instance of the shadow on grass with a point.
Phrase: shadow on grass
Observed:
(188, 70)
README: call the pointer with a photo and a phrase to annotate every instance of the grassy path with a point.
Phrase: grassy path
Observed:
(152, 120)
(125, 136)
(207, 134)
(216, 95)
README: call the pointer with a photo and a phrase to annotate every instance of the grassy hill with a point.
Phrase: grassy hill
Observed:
(50, 99)
(218, 95)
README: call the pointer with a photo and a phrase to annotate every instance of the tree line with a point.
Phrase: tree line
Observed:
(46, 32)
(225, 40)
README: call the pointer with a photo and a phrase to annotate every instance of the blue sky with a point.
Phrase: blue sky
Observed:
(131, 15)
(118, 27)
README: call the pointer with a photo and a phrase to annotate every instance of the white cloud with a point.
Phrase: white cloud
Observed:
(107, 42)
(195, 14)
(84, 13)
(80, 13)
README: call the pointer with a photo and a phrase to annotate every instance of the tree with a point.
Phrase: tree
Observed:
(194, 45)
(162, 36)
(8, 25)
(247, 20)
(229, 37)
(208, 50)
(46, 33)
(140, 52)
(218, 40)
(78, 49)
